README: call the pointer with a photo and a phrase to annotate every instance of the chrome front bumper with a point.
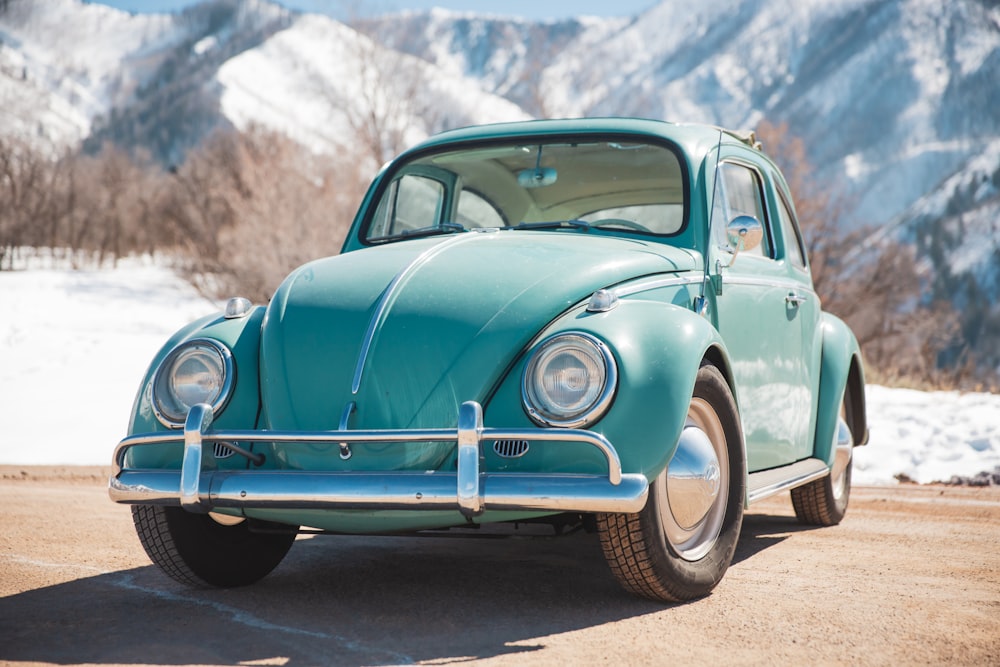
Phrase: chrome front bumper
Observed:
(199, 487)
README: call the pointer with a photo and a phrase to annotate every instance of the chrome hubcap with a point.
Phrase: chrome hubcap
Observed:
(843, 450)
(692, 492)
(692, 478)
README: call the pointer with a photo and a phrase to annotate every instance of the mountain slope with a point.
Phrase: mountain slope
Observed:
(61, 64)
(891, 98)
(331, 87)
(896, 102)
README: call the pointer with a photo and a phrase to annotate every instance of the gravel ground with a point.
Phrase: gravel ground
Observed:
(912, 576)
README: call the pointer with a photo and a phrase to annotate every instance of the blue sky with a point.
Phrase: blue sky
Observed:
(531, 9)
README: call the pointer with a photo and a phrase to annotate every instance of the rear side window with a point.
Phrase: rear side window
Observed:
(793, 238)
(475, 211)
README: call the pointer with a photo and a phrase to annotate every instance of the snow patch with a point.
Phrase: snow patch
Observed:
(74, 346)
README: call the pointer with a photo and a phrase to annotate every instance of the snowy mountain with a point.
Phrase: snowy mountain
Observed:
(896, 101)
(892, 97)
(70, 70)
(73, 73)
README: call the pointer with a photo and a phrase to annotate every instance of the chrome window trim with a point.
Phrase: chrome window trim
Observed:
(762, 191)
(799, 239)
(228, 380)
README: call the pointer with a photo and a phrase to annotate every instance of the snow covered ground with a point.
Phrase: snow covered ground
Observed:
(74, 345)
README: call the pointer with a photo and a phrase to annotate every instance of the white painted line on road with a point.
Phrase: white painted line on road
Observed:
(127, 582)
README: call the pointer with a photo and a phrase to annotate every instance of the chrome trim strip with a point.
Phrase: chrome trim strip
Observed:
(388, 296)
(416, 491)
(767, 483)
(469, 490)
(765, 282)
(629, 290)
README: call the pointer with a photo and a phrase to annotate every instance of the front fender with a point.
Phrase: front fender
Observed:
(840, 367)
(242, 337)
(659, 348)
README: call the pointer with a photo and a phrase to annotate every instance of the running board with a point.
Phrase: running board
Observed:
(766, 483)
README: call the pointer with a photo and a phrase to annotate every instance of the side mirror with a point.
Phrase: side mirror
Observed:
(744, 232)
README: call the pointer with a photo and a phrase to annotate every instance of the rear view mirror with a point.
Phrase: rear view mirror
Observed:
(538, 177)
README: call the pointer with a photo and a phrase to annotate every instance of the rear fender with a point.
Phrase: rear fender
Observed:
(840, 367)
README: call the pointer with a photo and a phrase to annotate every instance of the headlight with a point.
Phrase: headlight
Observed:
(197, 371)
(569, 381)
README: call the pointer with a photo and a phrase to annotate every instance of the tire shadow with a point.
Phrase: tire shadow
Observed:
(346, 600)
(763, 531)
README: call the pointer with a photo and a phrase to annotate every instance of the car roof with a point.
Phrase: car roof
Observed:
(694, 139)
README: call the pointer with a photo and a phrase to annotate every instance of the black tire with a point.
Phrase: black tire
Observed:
(197, 550)
(657, 555)
(824, 501)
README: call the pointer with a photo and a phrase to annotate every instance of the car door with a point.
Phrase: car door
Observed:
(760, 313)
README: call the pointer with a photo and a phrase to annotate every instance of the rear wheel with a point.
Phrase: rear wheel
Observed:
(679, 546)
(198, 550)
(824, 502)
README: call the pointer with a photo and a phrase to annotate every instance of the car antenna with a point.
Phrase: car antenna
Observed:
(701, 303)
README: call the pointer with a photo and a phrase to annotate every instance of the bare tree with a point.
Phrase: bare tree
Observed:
(251, 206)
(869, 279)
(28, 199)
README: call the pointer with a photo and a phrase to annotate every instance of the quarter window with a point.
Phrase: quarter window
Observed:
(741, 195)
(412, 202)
(475, 211)
(793, 239)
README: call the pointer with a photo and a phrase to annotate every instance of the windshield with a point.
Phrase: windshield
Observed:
(614, 185)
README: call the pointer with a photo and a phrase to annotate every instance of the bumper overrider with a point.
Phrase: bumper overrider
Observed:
(199, 487)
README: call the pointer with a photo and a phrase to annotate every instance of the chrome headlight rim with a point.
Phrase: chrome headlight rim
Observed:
(175, 419)
(597, 407)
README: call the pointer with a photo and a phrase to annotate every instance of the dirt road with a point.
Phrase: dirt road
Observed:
(912, 576)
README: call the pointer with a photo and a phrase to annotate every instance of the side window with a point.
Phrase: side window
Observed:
(410, 202)
(741, 188)
(793, 239)
(475, 211)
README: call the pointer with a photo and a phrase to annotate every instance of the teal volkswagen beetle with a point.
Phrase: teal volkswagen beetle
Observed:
(599, 323)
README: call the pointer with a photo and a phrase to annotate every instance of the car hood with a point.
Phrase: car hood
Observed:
(408, 331)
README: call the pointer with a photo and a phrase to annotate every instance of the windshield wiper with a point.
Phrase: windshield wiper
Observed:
(552, 224)
(443, 228)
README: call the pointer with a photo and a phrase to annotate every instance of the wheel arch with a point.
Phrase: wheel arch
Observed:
(841, 368)
(660, 348)
(242, 337)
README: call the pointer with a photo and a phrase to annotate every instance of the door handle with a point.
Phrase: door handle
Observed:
(795, 300)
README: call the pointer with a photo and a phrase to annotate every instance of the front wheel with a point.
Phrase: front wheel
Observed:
(196, 549)
(679, 546)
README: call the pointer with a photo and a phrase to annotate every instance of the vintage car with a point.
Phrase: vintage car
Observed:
(597, 323)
